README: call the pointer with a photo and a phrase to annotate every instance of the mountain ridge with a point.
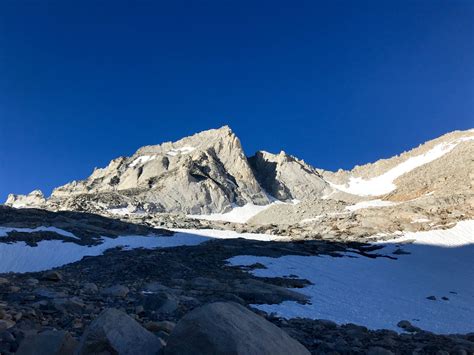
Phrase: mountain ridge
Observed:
(208, 172)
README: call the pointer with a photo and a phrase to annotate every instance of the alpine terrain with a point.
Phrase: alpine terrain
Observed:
(192, 247)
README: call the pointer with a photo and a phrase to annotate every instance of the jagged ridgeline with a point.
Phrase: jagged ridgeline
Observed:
(209, 173)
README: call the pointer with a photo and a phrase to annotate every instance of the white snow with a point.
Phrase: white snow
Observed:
(378, 293)
(142, 160)
(183, 150)
(370, 204)
(228, 234)
(19, 257)
(384, 183)
(119, 211)
(5, 230)
(420, 220)
(314, 219)
(238, 214)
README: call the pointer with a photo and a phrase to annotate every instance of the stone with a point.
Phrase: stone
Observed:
(52, 276)
(3, 281)
(229, 328)
(50, 342)
(116, 291)
(90, 288)
(155, 327)
(115, 332)
(32, 281)
(375, 350)
(431, 298)
(6, 324)
(407, 326)
(161, 302)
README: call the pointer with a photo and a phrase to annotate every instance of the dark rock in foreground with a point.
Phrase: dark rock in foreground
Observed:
(229, 328)
(115, 332)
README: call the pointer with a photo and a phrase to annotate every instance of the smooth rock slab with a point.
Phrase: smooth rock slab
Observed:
(117, 333)
(229, 328)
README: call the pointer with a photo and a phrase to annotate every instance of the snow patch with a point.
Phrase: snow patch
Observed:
(383, 184)
(142, 160)
(183, 150)
(4, 231)
(370, 204)
(380, 292)
(228, 234)
(20, 257)
(421, 220)
(238, 214)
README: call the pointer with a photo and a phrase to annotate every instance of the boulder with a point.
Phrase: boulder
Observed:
(52, 276)
(48, 343)
(116, 291)
(229, 328)
(90, 288)
(115, 332)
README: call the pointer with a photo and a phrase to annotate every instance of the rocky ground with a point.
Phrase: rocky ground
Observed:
(158, 288)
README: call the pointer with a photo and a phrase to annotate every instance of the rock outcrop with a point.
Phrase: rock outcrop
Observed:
(229, 328)
(33, 199)
(288, 178)
(207, 172)
(115, 332)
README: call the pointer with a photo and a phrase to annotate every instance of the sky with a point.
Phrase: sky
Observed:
(336, 83)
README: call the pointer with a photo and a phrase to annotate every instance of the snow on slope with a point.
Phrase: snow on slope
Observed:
(20, 257)
(238, 214)
(384, 183)
(380, 292)
(142, 160)
(4, 231)
(368, 204)
(228, 234)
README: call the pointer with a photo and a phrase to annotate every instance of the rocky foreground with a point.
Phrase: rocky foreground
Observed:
(186, 300)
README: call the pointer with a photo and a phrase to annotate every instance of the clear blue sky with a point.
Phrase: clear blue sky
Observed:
(336, 83)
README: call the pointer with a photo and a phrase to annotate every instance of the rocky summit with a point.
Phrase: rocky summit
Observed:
(191, 247)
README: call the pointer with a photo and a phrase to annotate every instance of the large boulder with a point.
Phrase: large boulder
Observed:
(115, 332)
(229, 328)
(50, 342)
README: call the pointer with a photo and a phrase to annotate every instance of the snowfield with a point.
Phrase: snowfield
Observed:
(383, 184)
(227, 234)
(380, 292)
(20, 257)
(238, 214)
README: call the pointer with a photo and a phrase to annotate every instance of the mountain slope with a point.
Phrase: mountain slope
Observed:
(207, 172)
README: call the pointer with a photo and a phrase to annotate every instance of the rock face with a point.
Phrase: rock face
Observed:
(287, 178)
(33, 199)
(207, 172)
(115, 332)
(228, 328)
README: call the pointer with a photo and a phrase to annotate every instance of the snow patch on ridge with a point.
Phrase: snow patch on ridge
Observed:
(383, 184)
(142, 160)
(380, 292)
(183, 150)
